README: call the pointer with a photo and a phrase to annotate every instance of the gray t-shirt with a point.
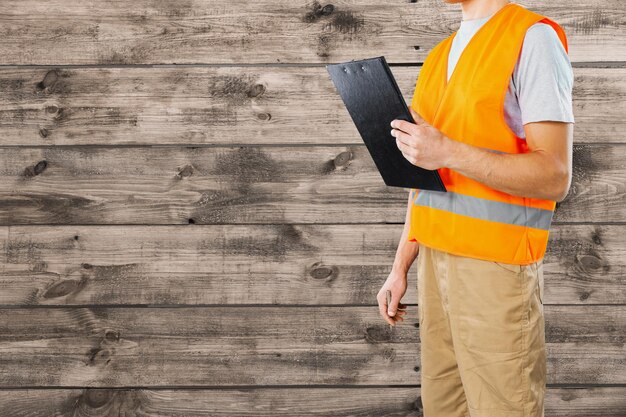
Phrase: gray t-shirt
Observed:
(541, 84)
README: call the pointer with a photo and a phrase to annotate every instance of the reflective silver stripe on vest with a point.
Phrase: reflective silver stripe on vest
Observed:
(485, 209)
(493, 150)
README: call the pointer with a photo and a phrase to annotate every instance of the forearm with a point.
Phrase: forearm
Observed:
(533, 174)
(407, 250)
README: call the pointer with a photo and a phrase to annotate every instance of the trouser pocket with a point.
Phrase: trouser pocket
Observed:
(516, 269)
(491, 305)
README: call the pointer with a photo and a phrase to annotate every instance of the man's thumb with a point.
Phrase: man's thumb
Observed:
(391, 311)
(416, 117)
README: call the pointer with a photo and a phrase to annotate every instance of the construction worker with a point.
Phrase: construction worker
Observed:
(493, 114)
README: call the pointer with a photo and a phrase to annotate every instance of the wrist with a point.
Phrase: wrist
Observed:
(399, 270)
(451, 152)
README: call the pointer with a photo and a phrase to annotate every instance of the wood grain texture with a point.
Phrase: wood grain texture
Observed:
(272, 402)
(209, 238)
(241, 184)
(261, 264)
(285, 31)
(226, 105)
(230, 346)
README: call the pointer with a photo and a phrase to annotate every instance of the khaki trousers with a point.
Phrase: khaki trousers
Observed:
(482, 336)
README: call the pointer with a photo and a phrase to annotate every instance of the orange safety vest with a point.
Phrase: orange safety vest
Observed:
(472, 219)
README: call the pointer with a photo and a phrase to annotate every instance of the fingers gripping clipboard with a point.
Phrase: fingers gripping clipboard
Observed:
(373, 99)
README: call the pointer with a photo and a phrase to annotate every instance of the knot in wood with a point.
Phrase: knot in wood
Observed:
(256, 90)
(40, 167)
(48, 81)
(321, 272)
(112, 335)
(343, 158)
(590, 261)
(61, 289)
(96, 397)
(186, 171)
(36, 169)
(98, 356)
(377, 334)
(328, 9)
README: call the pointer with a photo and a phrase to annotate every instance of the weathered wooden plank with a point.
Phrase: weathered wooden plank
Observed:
(225, 105)
(226, 346)
(233, 264)
(209, 185)
(285, 31)
(275, 402)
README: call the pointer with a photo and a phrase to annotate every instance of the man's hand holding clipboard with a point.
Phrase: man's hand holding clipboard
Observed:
(372, 97)
(420, 143)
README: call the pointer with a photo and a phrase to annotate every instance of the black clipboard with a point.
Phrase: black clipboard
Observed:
(373, 99)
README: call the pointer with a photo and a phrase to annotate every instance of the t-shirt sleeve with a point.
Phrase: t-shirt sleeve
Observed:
(544, 77)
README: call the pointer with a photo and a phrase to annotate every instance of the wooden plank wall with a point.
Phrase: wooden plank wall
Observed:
(191, 226)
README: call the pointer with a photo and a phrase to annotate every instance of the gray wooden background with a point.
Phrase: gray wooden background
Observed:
(190, 224)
